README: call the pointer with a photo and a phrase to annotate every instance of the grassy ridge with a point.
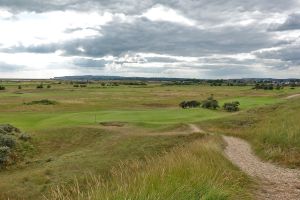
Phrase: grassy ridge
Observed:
(197, 171)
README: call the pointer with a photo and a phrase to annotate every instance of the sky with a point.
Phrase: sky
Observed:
(211, 39)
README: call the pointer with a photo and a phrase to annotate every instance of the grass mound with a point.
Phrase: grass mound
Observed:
(42, 102)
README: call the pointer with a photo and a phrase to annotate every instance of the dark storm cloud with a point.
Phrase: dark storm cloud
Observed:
(5, 67)
(190, 7)
(160, 37)
(232, 71)
(291, 23)
(289, 55)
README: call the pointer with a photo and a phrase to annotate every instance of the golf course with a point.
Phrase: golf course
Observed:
(135, 142)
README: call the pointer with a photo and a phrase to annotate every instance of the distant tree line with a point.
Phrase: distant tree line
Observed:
(263, 86)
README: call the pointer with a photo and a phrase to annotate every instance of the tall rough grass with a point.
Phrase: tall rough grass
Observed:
(274, 131)
(197, 171)
(277, 136)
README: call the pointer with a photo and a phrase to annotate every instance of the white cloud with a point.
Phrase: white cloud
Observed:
(162, 13)
(29, 28)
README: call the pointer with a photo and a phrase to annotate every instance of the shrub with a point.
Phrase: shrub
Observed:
(2, 87)
(42, 102)
(4, 155)
(189, 104)
(6, 140)
(7, 128)
(76, 85)
(210, 103)
(24, 137)
(48, 86)
(40, 86)
(19, 87)
(231, 107)
(12, 144)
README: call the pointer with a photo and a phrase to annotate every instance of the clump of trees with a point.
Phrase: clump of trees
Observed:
(2, 87)
(189, 104)
(232, 106)
(210, 103)
(10, 140)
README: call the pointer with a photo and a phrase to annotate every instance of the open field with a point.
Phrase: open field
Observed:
(92, 130)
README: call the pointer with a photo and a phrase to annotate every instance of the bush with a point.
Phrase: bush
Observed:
(48, 86)
(231, 107)
(24, 137)
(40, 86)
(42, 102)
(2, 87)
(4, 155)
(210, 103)
(189, 104)
(7, 128)
(6, 140)
(19, 87)
(12, 143)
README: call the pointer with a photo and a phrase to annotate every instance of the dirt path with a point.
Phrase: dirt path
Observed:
(292, 96)
(276, 183)
(196, 129)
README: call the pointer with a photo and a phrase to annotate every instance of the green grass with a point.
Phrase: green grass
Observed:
(33, 121)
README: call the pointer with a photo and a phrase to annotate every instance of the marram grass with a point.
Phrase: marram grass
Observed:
(196, 171)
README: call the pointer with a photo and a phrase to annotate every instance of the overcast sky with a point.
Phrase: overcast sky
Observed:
(153, 38)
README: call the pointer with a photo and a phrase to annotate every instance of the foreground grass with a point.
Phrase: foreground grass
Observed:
(63, 153)
(274, 131)
(196, 171)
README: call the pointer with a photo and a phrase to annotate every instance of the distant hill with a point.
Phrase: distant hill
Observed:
(111, 78)
(122, 78)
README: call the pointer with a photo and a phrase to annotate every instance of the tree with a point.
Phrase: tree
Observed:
(189, 104)
(210, 103)
(232, 106)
